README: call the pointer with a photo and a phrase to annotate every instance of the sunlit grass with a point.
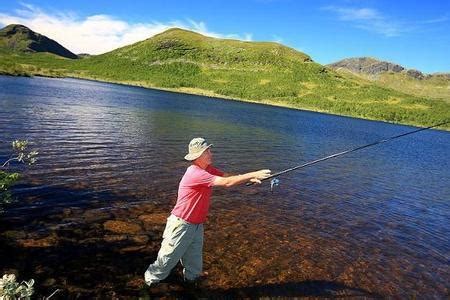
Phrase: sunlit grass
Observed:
(259, 72)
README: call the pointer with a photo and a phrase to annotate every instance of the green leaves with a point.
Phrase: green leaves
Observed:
(11, 289)
(21, 154)
(7, 179)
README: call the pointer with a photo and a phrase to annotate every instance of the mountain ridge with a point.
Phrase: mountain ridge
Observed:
(397, 77)
(19, 38)
(263, 72)
(374, 66)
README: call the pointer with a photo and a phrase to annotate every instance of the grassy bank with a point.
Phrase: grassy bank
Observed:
(267, 73)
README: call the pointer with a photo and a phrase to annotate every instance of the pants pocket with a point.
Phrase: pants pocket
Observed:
(172, 226)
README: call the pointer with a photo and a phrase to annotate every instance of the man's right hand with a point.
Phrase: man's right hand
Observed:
(260, 175)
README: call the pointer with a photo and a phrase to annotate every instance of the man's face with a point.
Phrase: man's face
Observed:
(207, 157)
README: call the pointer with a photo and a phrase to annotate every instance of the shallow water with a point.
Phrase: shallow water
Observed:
(372, 223)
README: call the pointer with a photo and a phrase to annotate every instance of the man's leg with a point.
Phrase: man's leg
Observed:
(192, 259)
(177, 238)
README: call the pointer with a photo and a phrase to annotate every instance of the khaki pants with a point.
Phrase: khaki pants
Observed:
(183, 242)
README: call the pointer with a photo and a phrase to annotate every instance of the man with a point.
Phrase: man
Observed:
(183, 235)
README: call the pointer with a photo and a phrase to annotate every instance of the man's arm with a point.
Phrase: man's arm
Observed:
(229, 181)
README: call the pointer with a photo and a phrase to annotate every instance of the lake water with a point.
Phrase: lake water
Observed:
(371, 223)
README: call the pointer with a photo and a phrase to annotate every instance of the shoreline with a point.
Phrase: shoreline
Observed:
(191, 91)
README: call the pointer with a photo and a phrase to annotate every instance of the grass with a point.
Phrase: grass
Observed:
(268, 73)
(431, 86)
(434, 87)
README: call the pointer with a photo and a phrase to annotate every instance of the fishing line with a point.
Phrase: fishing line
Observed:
(275, 181)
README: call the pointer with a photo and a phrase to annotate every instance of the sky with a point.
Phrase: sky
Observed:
(414, 34)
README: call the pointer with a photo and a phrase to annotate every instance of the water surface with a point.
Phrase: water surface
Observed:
(374, 222)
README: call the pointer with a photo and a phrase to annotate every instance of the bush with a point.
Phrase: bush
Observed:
(7, 179)
(11, 289)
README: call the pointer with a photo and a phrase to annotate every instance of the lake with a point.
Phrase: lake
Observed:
(91, 211)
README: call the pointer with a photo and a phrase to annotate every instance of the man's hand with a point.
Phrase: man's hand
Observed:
(260, 175)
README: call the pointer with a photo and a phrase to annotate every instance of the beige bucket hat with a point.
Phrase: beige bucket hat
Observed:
(196, 147)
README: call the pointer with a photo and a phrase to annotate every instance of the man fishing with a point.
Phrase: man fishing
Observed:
(183, 234)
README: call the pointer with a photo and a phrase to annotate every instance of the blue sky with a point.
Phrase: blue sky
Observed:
(412, 33)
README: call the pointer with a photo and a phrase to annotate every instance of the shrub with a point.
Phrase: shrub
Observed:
(7, 179)
(11, 289)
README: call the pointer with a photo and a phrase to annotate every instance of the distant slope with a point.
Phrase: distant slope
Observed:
(366, 65)
(262, 72)
(394, 76)
(18, 38)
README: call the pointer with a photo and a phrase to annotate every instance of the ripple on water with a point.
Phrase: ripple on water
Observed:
(373, 223)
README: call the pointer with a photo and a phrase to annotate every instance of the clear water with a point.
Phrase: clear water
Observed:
(375, 220)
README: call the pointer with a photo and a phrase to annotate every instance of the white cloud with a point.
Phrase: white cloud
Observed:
(358, 14)
(277, 39)
(373, 20)
(200, 27)
(97, 34)
(436, 20)
(369, 19)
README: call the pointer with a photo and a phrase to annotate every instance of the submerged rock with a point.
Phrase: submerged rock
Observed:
(140, 239)
(14, 234)
(154, 219)
(131, 249)
(95, 215)
(122, 227)
(48, 241)
(115, 238)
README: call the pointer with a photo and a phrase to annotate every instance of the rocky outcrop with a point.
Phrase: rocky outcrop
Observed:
(366, 65)
(371, 66)
(415, 74)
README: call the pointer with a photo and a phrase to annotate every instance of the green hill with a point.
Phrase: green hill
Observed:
(262, 72)
(386, 74)
(18, 38)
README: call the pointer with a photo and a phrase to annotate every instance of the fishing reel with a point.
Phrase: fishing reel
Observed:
(273, 183)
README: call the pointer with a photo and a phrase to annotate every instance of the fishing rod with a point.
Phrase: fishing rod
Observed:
(275, 181)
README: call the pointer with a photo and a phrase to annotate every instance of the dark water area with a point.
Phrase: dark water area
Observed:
(91, 212)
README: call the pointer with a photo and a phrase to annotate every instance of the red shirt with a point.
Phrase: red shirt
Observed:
(194, 194)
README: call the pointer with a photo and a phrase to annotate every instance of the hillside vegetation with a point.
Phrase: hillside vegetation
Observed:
(18, 38)
(393, 76)
(262, 72)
